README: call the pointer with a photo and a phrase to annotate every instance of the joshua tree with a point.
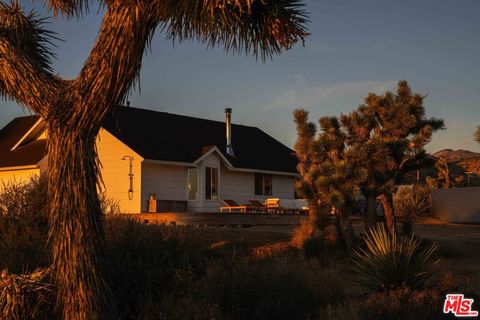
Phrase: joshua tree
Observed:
(448, 175)
(308, 161)
(74, 109)
(444, 173)
(401, 125)
(477, 135)
(388, 132)
(330, 170)
(358, 126)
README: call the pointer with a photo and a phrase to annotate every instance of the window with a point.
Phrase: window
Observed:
(192, 184)
(263, 184)
(211, 183)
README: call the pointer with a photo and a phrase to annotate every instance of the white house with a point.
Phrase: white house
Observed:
(179, 160)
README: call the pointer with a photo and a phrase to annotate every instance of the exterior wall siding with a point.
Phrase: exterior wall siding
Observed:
(460, 205)
(114, 172)
(284, 187)
(17, 176)
(201, 204)
(240, 187)
(166, 182)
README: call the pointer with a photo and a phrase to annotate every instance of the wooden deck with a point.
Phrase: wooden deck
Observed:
(218, 219)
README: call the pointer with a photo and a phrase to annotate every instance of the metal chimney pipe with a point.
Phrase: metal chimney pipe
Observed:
(228, 124)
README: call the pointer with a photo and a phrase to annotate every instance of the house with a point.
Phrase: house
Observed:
(172, 158)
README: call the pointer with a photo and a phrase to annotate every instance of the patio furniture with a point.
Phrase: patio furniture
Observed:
(232, 206)
(259, 207)
(273, 205)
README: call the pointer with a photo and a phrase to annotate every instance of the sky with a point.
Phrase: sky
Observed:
(355, 47)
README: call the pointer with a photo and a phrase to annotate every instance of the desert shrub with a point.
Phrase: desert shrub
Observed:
(275, 289)
(24, 198)
(163, 272)
(344, 311)
(170, 273)
(415, 202)
(303, 232)
(23, 243)
(24, 226)
(402, 304)
(388, 262)
(151, 262)
(316, 242)
(108, 205)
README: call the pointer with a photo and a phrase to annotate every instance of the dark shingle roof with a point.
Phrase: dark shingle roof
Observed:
(29, 154)
(170, 137)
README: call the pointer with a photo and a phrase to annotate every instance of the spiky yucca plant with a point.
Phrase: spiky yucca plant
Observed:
(411, 203)
(390, 262)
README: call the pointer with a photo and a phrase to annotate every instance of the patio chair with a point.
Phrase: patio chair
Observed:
(273, 205)
(232, 206)
(259, 207)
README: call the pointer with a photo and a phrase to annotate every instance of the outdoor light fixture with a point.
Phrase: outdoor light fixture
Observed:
(130, 176)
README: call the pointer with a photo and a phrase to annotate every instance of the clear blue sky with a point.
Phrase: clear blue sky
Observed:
(355, 47)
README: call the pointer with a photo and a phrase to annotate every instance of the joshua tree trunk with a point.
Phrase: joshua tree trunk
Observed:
(448, 180)
(345, 228)
(387, 203)
(315, 216)
(370, 210)
(76, 232)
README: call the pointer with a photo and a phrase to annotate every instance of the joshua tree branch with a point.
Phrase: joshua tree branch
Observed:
(263, 27)
(27, 84)
(25, 59)
(112, 67)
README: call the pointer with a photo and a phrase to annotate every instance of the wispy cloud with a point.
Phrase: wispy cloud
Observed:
(313, 97)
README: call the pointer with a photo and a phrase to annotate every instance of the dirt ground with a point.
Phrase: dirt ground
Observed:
(459, 245)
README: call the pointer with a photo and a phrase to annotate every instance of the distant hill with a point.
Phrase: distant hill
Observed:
(459, 161)
(462, 160)
(457, 155)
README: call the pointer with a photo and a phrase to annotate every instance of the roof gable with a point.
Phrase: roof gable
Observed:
(23, 155)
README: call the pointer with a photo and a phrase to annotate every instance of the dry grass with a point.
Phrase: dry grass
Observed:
(402, 304)
(271, 250)
(26, 296)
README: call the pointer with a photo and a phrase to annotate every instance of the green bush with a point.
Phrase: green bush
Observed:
(389, 262)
